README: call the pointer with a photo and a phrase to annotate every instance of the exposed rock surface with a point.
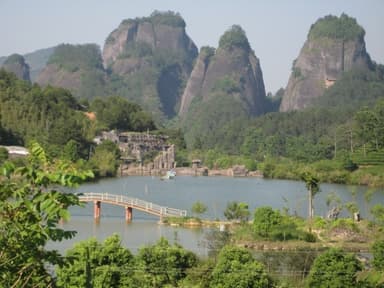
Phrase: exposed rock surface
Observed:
(196, 79)
(233, 69)
(16, 64)
(226, 87)
(334, 45)
(156, 49)
(145, 35)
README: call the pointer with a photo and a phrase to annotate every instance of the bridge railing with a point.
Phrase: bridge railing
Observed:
(133, 202)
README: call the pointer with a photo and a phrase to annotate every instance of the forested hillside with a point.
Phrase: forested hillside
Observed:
(78, 68)
(216, 101)
(54, 118)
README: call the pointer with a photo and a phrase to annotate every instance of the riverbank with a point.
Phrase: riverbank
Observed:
(235, 171)
(358, 240)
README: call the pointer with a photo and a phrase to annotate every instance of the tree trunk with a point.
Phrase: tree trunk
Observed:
(310, 206)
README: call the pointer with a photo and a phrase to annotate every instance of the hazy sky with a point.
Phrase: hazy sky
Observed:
(276, 29)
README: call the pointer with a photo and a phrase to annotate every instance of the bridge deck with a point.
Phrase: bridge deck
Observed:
(134, 203)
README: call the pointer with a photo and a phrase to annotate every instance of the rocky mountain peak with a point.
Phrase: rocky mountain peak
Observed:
(231, 69)
(16, 64)
(334, 45)
(140, 37)
(157, 49)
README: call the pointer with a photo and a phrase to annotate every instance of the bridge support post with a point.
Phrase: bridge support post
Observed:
(128, 214)
(96, 210)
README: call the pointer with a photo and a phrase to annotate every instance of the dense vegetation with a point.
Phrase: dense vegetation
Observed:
(116, 113)
(168, 18)
(31, 210)
(343, 27)
(54, 118)
(81, 70)
(234, 37)
(340, 140)
(75, 57)
(49, 115)
(340, 134)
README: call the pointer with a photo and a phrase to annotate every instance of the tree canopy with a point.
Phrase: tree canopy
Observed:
(236, 267)
(334, 268)
(237, 211)
(30, 210)
(118, 113)
(234, 37)
(94, 264)
(265, 220)
(343, 27)
(75, 57)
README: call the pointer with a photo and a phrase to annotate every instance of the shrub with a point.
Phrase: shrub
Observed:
(319, 223)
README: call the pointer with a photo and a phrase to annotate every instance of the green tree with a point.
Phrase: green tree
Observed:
(236, 267)
(199, 208)
(378, 255)
(162, 264)
(367, 127)
(237, 211)
(313, 187)
(30, 210)
(94, 264)
(3, 154)
(105, 160)
(71, 151)
(265, 220)
(234, 37)
(343, 27)
(374, 277)
(116, 112)
(352, 208)
(334, 268)
(377, 212)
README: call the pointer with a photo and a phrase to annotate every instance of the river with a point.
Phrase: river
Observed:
(182, 192)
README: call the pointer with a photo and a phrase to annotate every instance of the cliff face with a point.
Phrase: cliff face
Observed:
(128, 45)
(242, 68)
(334, 45)
(16, 64)
(232, 70)
(196, 79)
(158, 49)
(226, 85)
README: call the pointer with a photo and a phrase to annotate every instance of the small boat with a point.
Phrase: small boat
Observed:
(169, 175)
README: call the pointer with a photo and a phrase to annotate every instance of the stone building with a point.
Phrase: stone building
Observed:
(136, 148)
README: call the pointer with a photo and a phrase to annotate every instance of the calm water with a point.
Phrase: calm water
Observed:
(182, 192)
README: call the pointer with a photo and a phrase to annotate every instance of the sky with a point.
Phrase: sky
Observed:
(276, 29)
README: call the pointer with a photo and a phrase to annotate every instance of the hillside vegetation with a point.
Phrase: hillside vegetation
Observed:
(343, 27)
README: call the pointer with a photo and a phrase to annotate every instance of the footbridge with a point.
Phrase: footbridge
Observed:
(129, 204)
